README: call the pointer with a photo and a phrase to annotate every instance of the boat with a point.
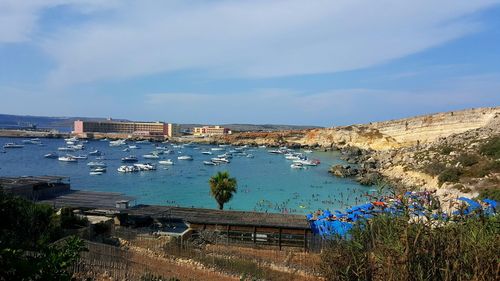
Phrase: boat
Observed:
(65, 149)
(145, 167)
(217, 148)
(142, 141)
(151, 156)
(96, 173)
(250, 155)
(223, 145)
(13, 145)
(275, 151)
(95, 153)
(220, 160)
(117, 143)
(185, 157)
(127, 169)
(79, 157)
(96, 164)
(77, 146)
(98, 169)
(262, 146)
(129, 159)
(210, 163)
(308, 151)
(32, 141)
(51, 156)
(292, 157)
(225, 155)
(67, 159)
(166, 162)
(297, 166)
(206, 152)
(133, 147)
(307, 162)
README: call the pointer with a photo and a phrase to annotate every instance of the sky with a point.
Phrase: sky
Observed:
(322, 62)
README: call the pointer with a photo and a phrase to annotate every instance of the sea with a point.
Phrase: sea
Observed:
(266, 182)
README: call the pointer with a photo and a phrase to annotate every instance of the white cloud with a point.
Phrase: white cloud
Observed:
(257, 38)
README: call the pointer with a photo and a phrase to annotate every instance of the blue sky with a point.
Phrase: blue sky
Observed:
(283, 61)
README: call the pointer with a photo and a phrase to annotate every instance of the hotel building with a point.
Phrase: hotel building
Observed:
(210, 131)
(145, 129)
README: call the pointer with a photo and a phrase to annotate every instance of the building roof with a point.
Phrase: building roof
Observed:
(13, 182)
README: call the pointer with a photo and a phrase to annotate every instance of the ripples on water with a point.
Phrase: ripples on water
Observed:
(266, 182)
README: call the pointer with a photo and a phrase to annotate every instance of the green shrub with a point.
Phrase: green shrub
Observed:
(434, 168)
(392, 248)
(451, 174)
(482, 169)
(445, 150)
(490, 193)
(491, 148)
(468, 160)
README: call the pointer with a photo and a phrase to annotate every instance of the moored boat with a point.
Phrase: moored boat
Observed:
(67, 159)
(166, 162)
(51, 156)
(185, 157)
(129, 159)
(13, 145)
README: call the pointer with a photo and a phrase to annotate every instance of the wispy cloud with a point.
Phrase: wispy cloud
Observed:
(254, 38)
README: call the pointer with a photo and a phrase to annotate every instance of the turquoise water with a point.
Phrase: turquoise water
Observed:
(265, 183)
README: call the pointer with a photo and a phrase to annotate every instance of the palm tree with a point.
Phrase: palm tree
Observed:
(222, 188)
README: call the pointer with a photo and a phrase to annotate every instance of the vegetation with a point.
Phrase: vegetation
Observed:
(451, 174)
(393, 248)
(468, 160)
(490, 193)
(27, 235)
(445, 150)
(153, 277)
(222, 188)
(491, 148)
(434, 168)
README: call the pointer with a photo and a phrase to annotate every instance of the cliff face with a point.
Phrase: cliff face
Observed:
(403, 132)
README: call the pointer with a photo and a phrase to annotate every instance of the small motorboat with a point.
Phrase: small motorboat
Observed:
(80, 157)
(95, 173)
(51, 156)
(67, 159)
(95, 153)
(297, 166)
(308, 151)
(133, 147)
(206, 152)
(128, 169)
(220, 160)
(151, 156)
(129, 159)
(250, 155)
(13, 145)
(217, 148)
(145, 167)
(185, 157)
(96, 164)
(98, 169)
(210, 163)
(67, 148)
(166, 162)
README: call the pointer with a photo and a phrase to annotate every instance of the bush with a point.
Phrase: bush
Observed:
(450, 175)
(491, 148)
(392, 248)
(482, 169)
(468, 160)
(490, 193)
(445, 150)
(434, 168)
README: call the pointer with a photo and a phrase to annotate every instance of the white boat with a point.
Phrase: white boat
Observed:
(96, 173)
(133, 147)
(67, 159)
(130, 159)
(65, 149)
(98, 169)
(220, 160)
(262, 146)
(250, 155)
(292, 157)
(13, 145)
(73, 139)
(79, 157)
(225, 155)
(70, 143)
(297, 166)
(142, 141)
(96, 164)
(307, 162)
(217, 148)
(161, 148)
(145, 167)
(308, 151)
(206, 152)
(210, 163)
(127, 169)
(166, 162)
(95, 153)
(151, 156)
(126, 149)
(185, 157)
(117, 143)
(51, 156)
(77, 146)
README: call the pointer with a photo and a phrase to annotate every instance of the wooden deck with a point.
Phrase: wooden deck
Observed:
(217, 217)
(86, 199)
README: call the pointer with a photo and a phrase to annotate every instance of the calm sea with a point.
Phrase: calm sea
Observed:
(265, 182)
